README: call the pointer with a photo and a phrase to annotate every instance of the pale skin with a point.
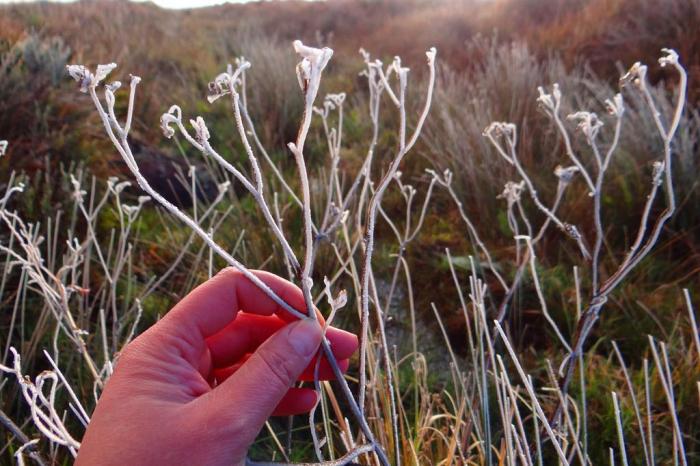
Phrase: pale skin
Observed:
(198, 386)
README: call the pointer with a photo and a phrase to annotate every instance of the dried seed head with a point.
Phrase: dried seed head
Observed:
(446, 179)
(565, 174)
(174, 115)
(113, 86)
(336, 100)
(303, 74)
(588, 123)
(131, 211)
(337, 302)
(636, 75)
(341, 300)
(431, 54)
(401, 71)
(220, 87)
(556, 93)
(313, 62)
(500, 128)
(316, 58)
(365, 55)
(201, 131)
(116, 187)
(103, 71)
(616, 106)
(78, 194)
(82, 75)
(512, 192)
(225, 83)
(671, 57)
(331, 102)
(549, 102)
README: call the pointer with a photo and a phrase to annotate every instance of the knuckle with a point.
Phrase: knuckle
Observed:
(277, 366)
(230, 274)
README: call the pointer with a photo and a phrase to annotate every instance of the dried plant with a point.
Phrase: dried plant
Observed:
(493, 411)
(231, 83)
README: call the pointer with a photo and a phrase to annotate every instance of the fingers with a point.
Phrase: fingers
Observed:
(215, 303)
(248, 331)
(255, 390)
(296, 401)
(325, 371)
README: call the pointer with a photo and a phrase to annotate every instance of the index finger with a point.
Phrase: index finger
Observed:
(214, 304)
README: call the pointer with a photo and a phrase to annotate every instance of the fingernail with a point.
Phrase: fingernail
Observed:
(305, 336)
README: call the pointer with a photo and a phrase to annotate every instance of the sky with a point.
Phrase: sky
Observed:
(176, 4)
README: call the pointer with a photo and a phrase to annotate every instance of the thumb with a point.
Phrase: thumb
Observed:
(255, 389)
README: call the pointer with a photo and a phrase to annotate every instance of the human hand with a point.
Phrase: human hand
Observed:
(197, 387)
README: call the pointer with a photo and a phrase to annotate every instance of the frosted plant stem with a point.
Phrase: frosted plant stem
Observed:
(257, 189)
(312, 413)
(414, 338)
(620, 434)
(354, 408)
(259, 199)
(662, 170)
(693, 323)
(575, 437)
(125, 151)
(508, 132)
(83, 413)
(570, 151)
(384, 349)
(266, 156)
(309, 73)
(647, 399)
(372, 218)
(597, 196)
(510, 290)
(540, 294)
(667, 384)
(533, 395)
(344, 460)
(54, 291)
(520, 428)
(259, 194)
(637, 412)
(446, 181)
(15, 430)
(584, 407)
